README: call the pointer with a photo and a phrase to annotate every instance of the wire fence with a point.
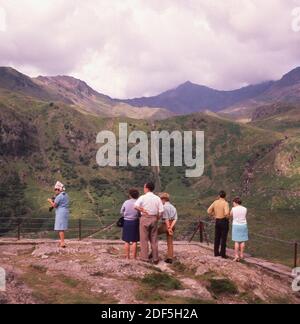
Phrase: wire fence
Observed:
(263, 246)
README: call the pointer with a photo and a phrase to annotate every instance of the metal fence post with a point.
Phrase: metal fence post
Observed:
(79, 229)
(201, 228)
(295, 254)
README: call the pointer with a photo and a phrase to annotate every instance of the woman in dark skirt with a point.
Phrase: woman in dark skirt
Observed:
(131, 232)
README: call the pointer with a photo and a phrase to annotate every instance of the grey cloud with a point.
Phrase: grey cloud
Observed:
(128, 48)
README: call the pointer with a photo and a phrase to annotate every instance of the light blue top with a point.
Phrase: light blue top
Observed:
(128, 210)
(61, 212)
(170, 212)
(62, 201)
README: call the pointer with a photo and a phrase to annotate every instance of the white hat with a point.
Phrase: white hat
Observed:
(60, 186)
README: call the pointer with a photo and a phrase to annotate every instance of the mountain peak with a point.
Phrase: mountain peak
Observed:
(68, 83)
(7, 71)
(13, 80)
(188, 84)
(290, 78)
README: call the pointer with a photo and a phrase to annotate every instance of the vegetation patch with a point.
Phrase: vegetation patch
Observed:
(61, 289)
(147, 295)
(183, 269)
(73, 283)
(39, 268)
(222, 287)
(251, 299)
(161, 281)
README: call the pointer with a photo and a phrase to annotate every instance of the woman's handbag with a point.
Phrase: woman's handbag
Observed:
(120, 222)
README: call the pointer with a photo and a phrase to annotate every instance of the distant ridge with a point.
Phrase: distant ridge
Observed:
(74, 92)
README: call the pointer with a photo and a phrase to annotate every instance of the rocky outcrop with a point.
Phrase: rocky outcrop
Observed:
(96, 271)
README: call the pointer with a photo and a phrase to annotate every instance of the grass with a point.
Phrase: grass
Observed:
(250, 299)
(161, 281)
(147, 295)
(39, 268)
(61, 289)
(151, 296)
(182, 269)
(70, 282)
(222, 287)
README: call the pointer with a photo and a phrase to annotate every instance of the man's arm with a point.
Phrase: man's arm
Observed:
(138, 206)
(161, 209)
(227, 210)
(175, 219)
(211, 210)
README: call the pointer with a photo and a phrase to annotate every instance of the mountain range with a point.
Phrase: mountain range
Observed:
(187, 98)
(240, 103)
(74, 92)
(190, 98)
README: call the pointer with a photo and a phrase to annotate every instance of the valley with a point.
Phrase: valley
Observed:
(45, 138)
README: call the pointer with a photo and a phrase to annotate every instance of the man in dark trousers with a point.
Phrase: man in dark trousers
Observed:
(221, 212)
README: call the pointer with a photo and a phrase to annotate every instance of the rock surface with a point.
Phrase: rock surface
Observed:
(96, 272)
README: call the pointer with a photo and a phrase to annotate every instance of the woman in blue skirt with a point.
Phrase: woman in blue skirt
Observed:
(239, 228)
(131, 228)
(61, 205)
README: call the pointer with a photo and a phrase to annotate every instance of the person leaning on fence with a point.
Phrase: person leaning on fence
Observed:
(221, 212)
(131, 227)
(239, 228)
(61, 205)
(170, 218)
(151, 208)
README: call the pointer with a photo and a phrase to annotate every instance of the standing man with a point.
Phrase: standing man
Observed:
(221, 212)
(152, 209)
(170, 219)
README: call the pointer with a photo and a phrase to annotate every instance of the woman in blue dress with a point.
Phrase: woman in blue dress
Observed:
(240, 233)
(61, 205)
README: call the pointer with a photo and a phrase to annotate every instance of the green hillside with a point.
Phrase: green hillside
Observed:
(42, 142)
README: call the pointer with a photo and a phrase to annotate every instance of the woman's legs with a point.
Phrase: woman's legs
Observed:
(134, 250)
(240, 250)
(237, 251)
(62, 238)
(127, 250)
(170, 246)
(243, 246)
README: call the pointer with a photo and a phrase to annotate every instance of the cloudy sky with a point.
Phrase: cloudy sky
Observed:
(128, 48)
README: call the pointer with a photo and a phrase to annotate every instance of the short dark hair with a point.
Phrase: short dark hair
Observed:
(134, 193)
(150, 186)
(222, 194)
(237, 200)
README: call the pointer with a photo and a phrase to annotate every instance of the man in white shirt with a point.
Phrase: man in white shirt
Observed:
(151, 208)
